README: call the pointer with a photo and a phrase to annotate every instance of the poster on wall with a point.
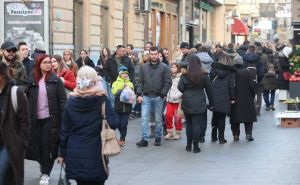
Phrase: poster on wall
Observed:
(25, 22)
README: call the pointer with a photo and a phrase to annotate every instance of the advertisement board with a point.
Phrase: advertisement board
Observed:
(26, 22)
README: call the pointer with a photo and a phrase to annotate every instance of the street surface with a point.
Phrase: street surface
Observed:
(272, 159)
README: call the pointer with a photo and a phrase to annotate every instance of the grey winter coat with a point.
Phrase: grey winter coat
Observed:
(206, 60)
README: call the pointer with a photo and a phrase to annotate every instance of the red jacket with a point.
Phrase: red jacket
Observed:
(69, 79)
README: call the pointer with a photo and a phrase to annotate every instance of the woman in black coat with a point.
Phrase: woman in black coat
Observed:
(14, 131)
(243, 110)
(80, 146)
(222, 77)
(192, 85)
(84, 59)
(47, 96)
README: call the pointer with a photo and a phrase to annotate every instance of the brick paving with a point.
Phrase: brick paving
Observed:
(272, 159)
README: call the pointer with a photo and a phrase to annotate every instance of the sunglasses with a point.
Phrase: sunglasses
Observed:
(11, 51)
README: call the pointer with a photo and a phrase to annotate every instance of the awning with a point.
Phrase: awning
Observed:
(239, 28)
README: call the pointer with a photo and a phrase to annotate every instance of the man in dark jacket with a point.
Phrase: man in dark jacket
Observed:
(153, 86)
(184, 47)
(14, 130)
(27, 61)
(116, 60)
(13, 60)
(253, 61)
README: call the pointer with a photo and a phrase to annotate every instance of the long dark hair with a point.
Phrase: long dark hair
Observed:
(195, 72)
(37, 68)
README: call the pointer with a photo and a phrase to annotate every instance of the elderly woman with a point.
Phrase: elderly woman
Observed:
(80, 142)
(14, 130)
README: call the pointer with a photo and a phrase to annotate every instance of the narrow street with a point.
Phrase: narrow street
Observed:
(273, 158)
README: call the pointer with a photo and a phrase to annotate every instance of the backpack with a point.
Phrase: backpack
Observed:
(14, 98)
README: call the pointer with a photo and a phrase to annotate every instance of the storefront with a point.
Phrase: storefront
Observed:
(296, 20)
(163, 24)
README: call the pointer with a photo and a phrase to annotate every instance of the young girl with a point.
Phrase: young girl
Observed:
(173, 100)
(122, 109)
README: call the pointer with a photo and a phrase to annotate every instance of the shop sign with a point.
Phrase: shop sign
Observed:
(203, 5)
(25, 22)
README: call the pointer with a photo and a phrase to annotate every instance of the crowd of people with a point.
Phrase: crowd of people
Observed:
(51, 105)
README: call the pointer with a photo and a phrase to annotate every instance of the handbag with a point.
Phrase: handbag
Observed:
(110, 145)
(63, 178)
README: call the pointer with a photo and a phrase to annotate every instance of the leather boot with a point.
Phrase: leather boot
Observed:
(196, 148)
(188, 146)
(177, 135)
(214, 134)
(169, 135)
(152, 132)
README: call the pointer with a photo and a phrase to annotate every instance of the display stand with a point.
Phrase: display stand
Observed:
(288, 119)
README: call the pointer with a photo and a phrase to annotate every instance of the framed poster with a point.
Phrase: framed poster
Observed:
(28, 22)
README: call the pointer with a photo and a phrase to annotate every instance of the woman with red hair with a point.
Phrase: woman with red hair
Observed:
(47, 97)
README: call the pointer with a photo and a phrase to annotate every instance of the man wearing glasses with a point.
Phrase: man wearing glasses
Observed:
(13, 60)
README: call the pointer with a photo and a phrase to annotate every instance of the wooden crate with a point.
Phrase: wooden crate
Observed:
(290, 122)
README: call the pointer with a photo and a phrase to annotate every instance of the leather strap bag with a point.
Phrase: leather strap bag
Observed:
(110, 145)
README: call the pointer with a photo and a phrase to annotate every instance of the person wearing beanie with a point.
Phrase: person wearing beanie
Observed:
(122, 109)
(39, 49)
(184, 47)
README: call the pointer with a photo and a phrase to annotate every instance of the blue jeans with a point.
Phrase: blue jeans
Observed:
(267, 97)
(156, 103)
(5, 167)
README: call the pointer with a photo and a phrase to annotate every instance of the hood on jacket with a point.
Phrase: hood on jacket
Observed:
(222, 70)
(204, 57)
(85, 104)
(18, 60)
(251, 57)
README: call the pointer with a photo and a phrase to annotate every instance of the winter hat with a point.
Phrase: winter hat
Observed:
(238, 60)
(9, 45)
(39, 45)
(122, 69)
(184, 45)
(135, 53)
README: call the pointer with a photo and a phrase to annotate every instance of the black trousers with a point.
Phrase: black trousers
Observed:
(122, 118)
(235, 128)
(80, 182)
(44, 127)
(193, 126)
(218, 124)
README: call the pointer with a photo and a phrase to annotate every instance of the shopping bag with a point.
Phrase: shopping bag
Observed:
(127, 96)
(63, 178)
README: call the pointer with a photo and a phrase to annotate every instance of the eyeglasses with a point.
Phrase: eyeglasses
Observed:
(47, 62)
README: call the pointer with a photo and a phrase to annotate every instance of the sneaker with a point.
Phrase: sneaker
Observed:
(132, 115)
(272, 108)
(142, 143)
(44, 180)
(157, 141)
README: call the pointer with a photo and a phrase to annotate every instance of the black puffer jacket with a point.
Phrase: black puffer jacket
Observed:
(87, 61)
(222, 77)
(193, 98)
(56, 98)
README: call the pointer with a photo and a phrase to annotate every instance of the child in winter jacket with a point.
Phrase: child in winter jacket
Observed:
(173, 100)
(122, 109)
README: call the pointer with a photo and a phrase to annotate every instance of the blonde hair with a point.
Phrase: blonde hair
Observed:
(71, 54)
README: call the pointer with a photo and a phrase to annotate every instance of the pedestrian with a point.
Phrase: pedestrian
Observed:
(222, 77)
(206, 60)
(269, 81)
(166, 53)
(218, 52)
(84, 59)
(115, 61)
(253, 62)
(64, 73)
(102, 62)
(122, 109)
(69, 61)
(47, 96)
(39, 48)
(136, 111)
(196, 87)
(173, 101)
(162, 57)
(80, 140)
(13, 60)
(243, 109)
(184, 48)
(129, 49)
(282, 65)
(154, 84)
(27, 61)
(15, 128)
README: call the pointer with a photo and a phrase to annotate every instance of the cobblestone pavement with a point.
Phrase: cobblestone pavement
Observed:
(273, 158)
